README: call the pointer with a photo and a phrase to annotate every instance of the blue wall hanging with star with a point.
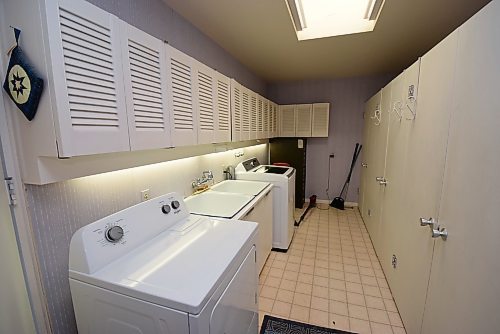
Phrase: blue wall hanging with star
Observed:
(22, 83)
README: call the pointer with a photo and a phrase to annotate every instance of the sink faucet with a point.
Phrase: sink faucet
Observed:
(207, 176)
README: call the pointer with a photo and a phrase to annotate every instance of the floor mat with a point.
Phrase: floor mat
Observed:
(273, 325)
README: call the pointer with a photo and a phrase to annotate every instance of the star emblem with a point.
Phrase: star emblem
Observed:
(17, 83)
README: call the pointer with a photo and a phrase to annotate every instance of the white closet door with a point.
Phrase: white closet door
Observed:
(236, 111)
(254, 118)
(246, 115)
(260, 117)
(287, 120)
(145, 77)
(464, 287)
(182, 97)
(222, 108)
(303, 120)
(320, 119)
(205, 98)
(90, 113)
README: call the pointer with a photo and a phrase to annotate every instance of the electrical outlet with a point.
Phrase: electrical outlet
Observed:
(145, 195)
(394, 261)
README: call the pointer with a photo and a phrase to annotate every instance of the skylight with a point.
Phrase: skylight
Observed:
(325, 18)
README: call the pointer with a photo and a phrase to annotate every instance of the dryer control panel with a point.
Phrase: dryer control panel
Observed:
(103, 241)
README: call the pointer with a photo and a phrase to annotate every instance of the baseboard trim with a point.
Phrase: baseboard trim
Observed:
(325, 201)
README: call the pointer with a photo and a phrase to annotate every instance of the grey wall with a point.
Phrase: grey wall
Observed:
(159, 20)
(347, 98)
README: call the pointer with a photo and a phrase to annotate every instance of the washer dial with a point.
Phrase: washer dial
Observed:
(114, 234)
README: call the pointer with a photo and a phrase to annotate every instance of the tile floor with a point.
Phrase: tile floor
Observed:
(330, 277)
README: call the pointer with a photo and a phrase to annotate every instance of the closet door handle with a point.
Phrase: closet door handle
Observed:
(379, 178)
(364, 165)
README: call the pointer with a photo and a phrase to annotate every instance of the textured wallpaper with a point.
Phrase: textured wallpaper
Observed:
(58, 210)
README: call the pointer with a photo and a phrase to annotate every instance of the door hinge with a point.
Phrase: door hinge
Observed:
(11, 191)
(256, 299)
(255, 256)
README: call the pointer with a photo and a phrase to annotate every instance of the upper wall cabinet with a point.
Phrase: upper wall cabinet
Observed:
(287, 121)
(87, 89)
(236, 109)
(222, 108)
(320, 119)
(304, 120)
(146, 82)
(182, 97)
(205, 101)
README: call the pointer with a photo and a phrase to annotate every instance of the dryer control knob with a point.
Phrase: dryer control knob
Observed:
(114, 234)
(175, 205)
(165, 209)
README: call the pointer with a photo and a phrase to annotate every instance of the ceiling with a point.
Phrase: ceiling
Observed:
(260, 34)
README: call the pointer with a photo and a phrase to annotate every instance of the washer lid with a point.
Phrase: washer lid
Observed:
(180, 268)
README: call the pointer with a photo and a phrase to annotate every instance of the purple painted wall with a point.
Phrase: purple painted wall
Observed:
(347, 99)
(159, 20)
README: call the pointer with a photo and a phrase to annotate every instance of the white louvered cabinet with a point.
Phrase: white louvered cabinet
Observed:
(266, 115)
(222, 108)
(254, 116)
(205, 102)
(287, 120)
(86, 79)
(145, 77)
(260, 117)
(303, 120)
(320, 119)
(182, 97)
(246, 116)
(236, 111)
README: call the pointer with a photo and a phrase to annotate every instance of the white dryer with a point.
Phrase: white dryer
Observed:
(154, 268)
(283, 179)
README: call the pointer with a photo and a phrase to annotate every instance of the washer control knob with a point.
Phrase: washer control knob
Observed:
(114, 234)
(165, 209)
(175, 205)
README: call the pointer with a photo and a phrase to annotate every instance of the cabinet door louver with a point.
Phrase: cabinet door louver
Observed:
(245, 114)
(287, 118)
(223, 130)
(260, 117)
(205, 104)
(181, 98)
(275, 120)
(236, 109)
(303, 121)
(88, 46)
(320, 119)
(266, 123)
(145, 86)
(254, 126)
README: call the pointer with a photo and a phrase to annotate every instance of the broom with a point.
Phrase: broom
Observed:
(338, 202)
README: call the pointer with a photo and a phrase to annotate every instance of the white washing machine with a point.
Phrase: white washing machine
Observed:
(154, 268)
(283, 179)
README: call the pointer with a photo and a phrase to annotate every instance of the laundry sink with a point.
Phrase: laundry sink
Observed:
(217, 204)
(240, 187)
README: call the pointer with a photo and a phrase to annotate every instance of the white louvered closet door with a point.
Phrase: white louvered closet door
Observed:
(223, 108)
(320, 119)
(303, 114)
(181, 98)
(254, 118)
(246, 115)
(260, 117)
(145, 77)
(287, 121)
(90, 114)
(205, 88)
(236, 111)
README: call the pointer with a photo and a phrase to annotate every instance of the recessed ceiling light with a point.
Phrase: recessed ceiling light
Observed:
(325, 18)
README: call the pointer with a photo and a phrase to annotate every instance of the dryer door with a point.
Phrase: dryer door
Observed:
(237, 310)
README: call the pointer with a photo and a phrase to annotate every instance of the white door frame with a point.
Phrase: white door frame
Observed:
(20, 217)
